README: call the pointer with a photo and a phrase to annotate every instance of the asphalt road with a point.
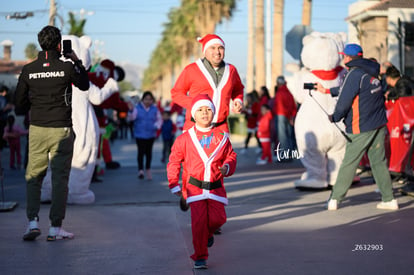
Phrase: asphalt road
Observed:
(136, 227)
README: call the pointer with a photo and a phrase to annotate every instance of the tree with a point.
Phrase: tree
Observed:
(277, 56)
(250, 83)
(178, 43)
(76, 27)
(260, 45)
(31, 51)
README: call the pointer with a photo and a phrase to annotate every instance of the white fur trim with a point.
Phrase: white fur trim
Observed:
(176, 189)
(212, 42)
(200, 103)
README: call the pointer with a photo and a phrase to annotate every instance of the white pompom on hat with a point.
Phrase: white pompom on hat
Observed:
(200, 101)
(210, 39)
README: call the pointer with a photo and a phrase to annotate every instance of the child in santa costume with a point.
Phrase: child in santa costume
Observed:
(207, 156)
(264, 135)
(212, 76)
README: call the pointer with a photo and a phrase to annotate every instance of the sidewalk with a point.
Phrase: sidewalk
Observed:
(136, 227)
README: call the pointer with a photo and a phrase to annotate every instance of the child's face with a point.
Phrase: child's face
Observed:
(264, 110)
(165, 116)
(203, 116)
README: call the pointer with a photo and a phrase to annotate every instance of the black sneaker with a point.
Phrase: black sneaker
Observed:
(200, 264)
(210, 241)
(218, 231)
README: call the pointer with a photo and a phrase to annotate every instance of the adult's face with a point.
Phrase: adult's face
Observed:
(215, 54)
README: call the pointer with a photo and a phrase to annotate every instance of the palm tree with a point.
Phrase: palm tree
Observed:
(277, 56)
(250, 83)
(31, 51)
(260, 45)
(76, 27)
(177, 46)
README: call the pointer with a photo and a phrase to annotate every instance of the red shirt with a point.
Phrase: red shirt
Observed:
(284, 104)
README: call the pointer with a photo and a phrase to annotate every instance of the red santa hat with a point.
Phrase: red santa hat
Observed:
(110, 65)
(200, 101)
(210, 39)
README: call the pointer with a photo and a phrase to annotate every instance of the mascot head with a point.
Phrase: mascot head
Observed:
(81, 46)
(321, 50)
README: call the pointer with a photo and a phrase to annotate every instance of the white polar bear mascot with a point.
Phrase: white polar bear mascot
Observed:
(86, 129)
(320, 144)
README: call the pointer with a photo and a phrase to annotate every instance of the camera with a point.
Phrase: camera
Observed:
(67, 47)
(309, 86)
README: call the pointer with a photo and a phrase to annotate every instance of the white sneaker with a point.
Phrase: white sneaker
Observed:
(57, 233)
(258, 150)
(389, 205)
(332, 204)
(261, 162)
(32, 231)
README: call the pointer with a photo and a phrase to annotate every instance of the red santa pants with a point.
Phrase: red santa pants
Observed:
(206, 217)
(267, 151)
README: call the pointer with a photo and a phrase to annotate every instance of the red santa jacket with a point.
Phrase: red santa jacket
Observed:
(113, 102)
(253, 112)
(195, 79)
(201, 154)
(264, 130)
(284, 103)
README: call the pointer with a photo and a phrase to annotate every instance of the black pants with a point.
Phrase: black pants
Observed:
(247, 140)
(166, 149)
(144, 149)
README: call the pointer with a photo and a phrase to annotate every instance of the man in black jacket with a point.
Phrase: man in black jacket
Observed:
(44, 88)
(399, 86)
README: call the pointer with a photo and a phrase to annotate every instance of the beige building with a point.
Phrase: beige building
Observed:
(9, 69)
(385, 30)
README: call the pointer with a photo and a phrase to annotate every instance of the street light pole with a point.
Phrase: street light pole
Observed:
(52, 13)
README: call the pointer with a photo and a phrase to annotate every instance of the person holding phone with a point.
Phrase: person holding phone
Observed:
(45, 88)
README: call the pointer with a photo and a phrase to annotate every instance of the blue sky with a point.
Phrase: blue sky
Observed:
(128, 30)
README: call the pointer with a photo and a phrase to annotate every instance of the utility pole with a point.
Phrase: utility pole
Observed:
(307, 12)
(250, 83)
(268, 45)
(52, 13)
(277, 61)
(260, 45)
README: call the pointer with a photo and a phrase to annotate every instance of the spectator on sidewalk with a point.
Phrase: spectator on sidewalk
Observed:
(12, 134)
(206, 153)
(264, 134)
(5, 108)
(168, 130)
(251, 112)
(398, 85)
(284, 110)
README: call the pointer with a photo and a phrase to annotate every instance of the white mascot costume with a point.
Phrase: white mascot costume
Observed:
(86, 129)
(320, 144)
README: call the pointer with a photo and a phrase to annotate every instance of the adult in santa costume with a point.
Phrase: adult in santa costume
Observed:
(105, 70)
(320, 144)
(207, 156)
(86, 129)
(212, 76)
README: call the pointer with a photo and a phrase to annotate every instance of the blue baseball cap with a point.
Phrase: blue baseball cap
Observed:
(352, 50)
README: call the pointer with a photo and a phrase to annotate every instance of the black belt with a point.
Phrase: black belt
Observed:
(208, 185)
